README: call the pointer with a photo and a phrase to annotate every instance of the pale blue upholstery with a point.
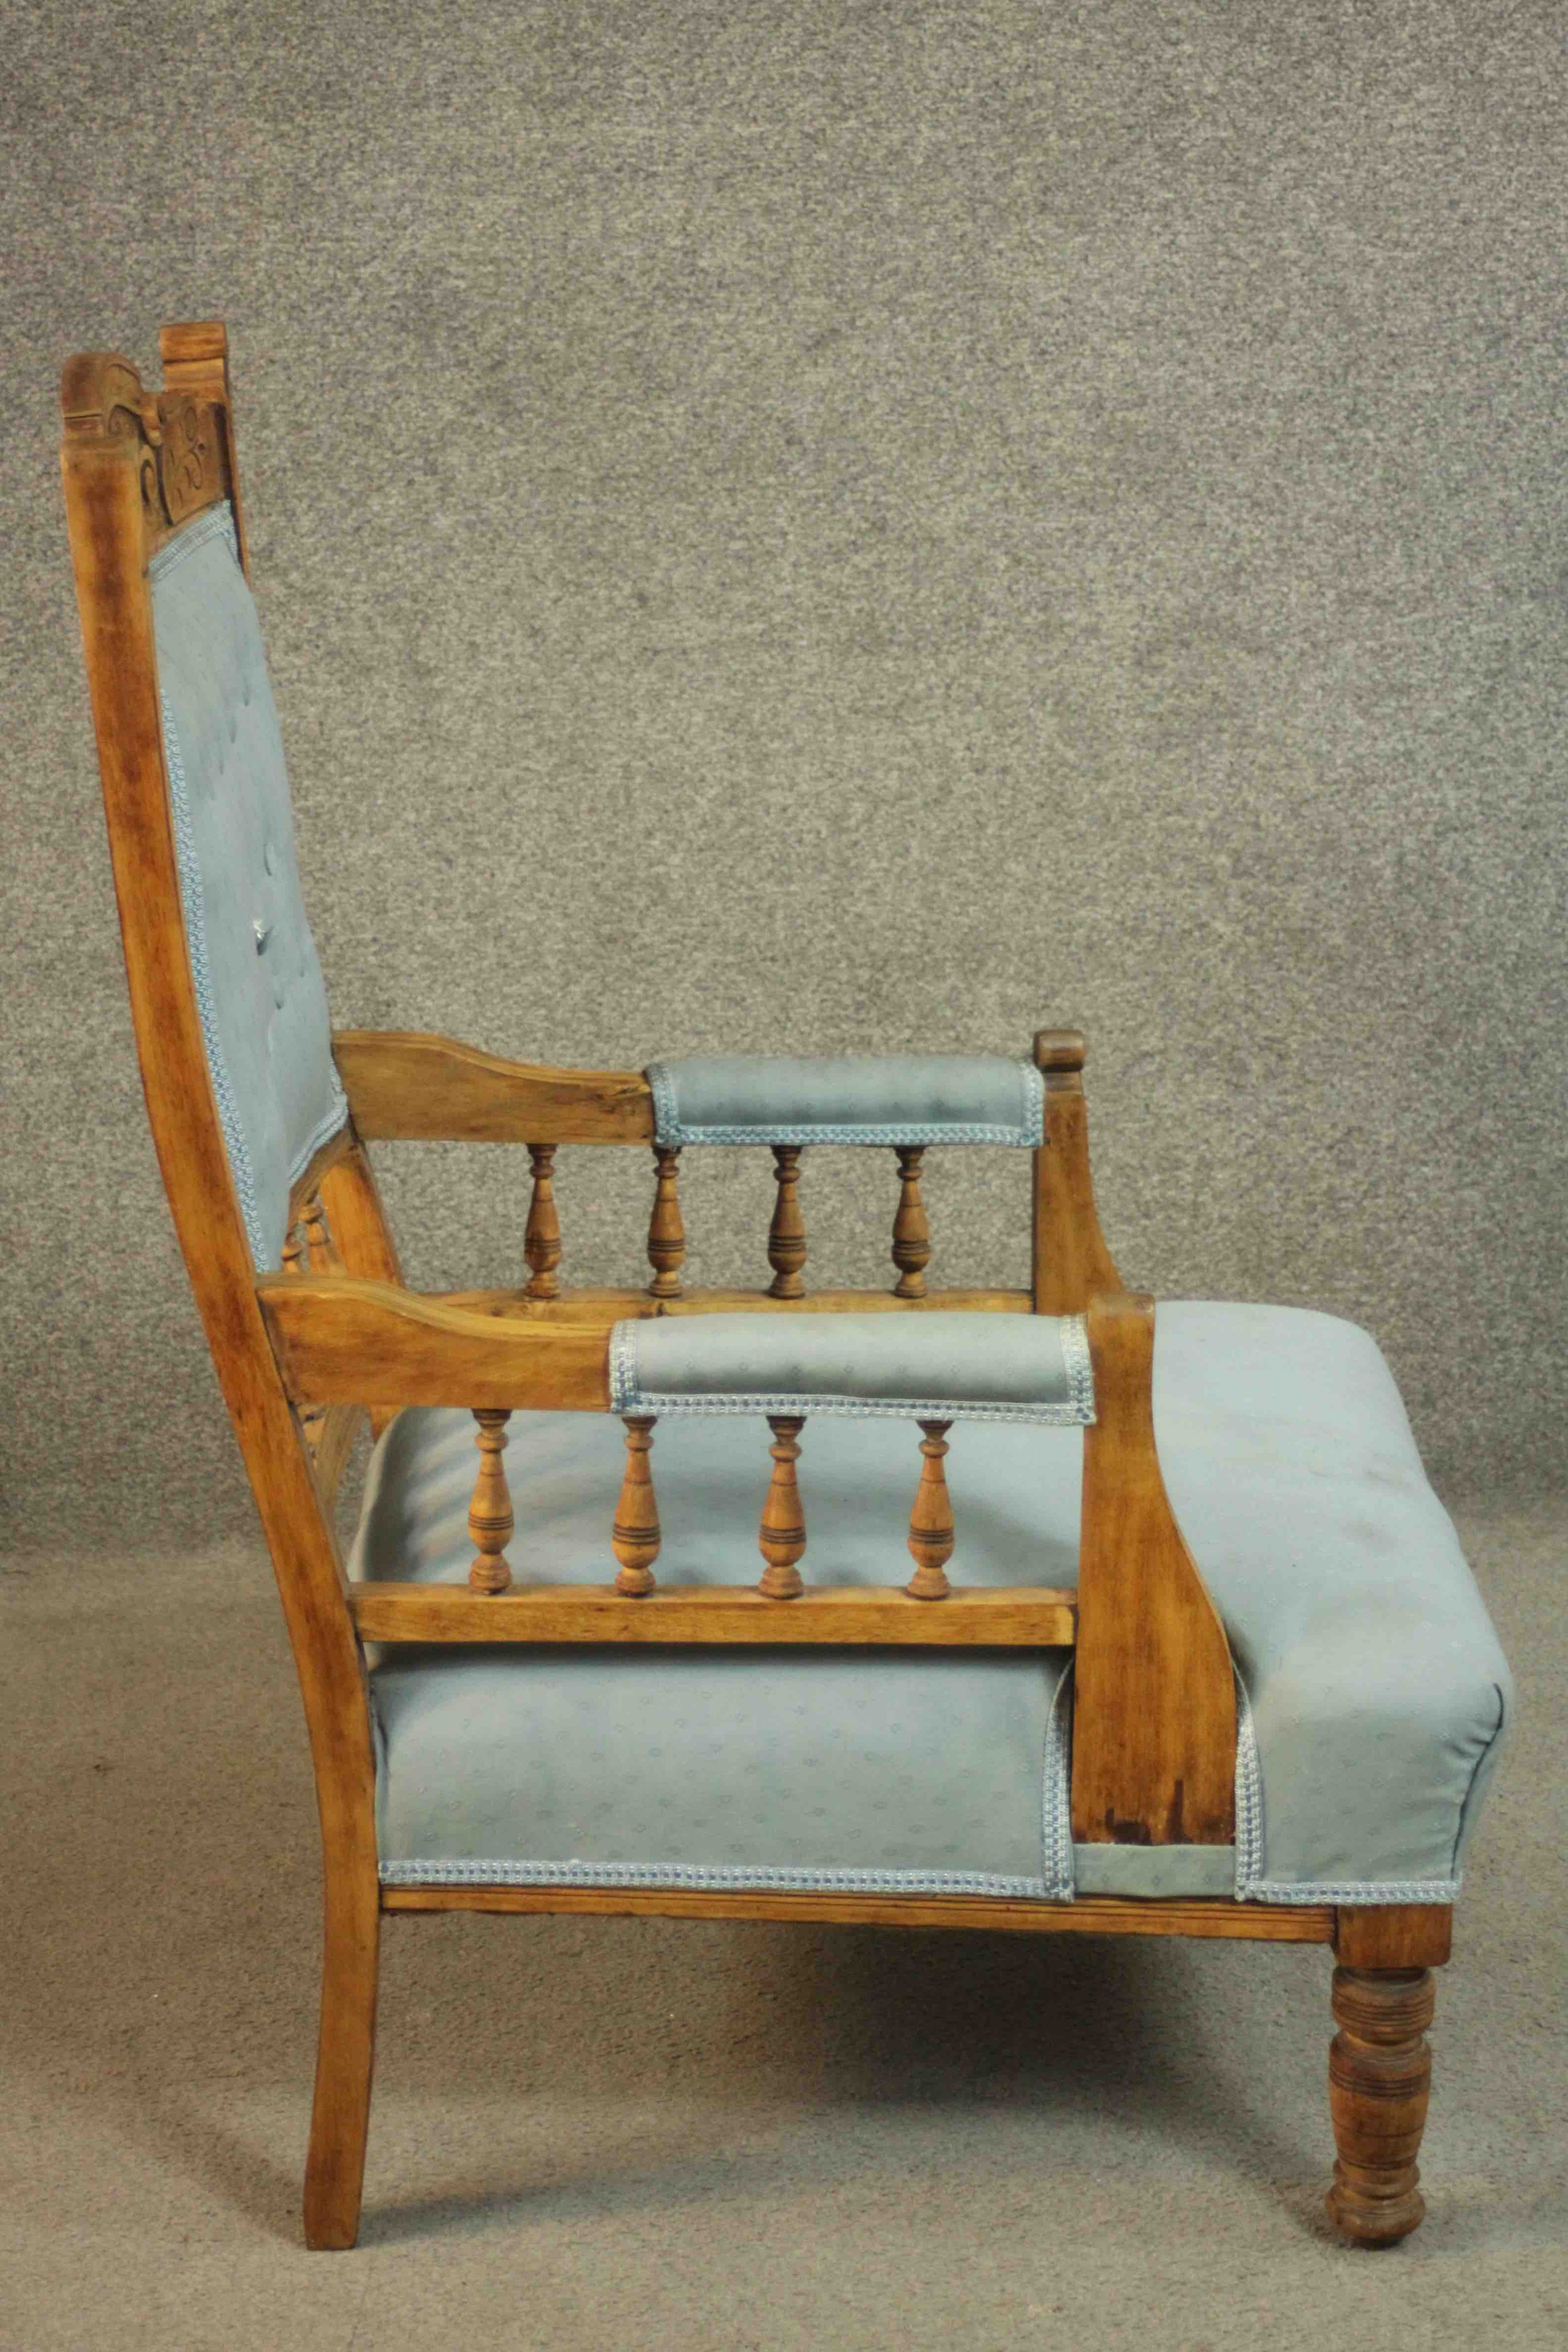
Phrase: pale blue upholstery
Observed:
(943, 1367)
(847, 1098)
(258, 982)
(1374, 1688)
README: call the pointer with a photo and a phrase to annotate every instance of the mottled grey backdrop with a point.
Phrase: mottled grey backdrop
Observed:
(826, 526)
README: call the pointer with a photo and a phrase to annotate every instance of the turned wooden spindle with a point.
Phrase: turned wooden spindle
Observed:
(1380, 2070)
(293, 1252)
(490, 1521)
(633, 1538)
(541, 1234)
(782, 1538)
(666, 1233)
(787, 1234)
(319, 1248)
(930, 1521)
(911, 1234)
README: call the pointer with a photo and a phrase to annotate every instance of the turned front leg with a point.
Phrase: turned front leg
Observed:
(1380, 2070)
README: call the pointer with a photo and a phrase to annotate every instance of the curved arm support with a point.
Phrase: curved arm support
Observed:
(343, 1341)
(1153, 1747)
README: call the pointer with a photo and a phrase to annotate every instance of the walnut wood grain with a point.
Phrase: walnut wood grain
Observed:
(343, 1341)
(406, 1085)
(1071, 1263)
(1102, 1914)
(1380, 2074)
(115, 513)
(852, 1616)
(1154, 1751)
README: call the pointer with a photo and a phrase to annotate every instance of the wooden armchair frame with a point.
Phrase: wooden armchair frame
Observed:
(300, 1354)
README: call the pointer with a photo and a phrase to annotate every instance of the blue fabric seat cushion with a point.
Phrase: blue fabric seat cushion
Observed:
(1374, 1683)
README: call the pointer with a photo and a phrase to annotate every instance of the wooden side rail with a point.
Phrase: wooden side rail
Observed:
(1089, 1915)
(606, 1305)
(852, 1616)
(405, 1085)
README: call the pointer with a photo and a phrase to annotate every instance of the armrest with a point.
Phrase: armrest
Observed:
(343, 1341)
(909, 1099)
(948, 1367)
(405, 1084)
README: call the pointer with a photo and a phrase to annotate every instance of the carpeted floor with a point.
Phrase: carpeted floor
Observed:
(594, 2133)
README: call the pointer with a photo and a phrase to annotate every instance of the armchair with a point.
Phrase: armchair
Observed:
(1209, 1660)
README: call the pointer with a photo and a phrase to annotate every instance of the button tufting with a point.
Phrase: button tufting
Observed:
(263, 933)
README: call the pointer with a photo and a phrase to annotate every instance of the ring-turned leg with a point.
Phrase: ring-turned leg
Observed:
(1379, 2069)
(340, 2117)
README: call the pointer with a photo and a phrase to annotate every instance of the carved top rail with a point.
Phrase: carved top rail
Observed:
(180, 434)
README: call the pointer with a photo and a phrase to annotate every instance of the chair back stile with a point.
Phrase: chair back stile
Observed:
(136, 468)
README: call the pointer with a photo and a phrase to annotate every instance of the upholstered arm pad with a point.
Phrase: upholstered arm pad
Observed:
(944, 1366)
(847, 1098)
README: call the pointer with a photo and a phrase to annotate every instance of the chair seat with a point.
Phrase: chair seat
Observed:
(1374, 1687)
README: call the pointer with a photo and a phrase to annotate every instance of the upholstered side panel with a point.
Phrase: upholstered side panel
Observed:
(702, 1768)
(257, 981)
(1027, 1368)
(847, 1098)
(819, 1767)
